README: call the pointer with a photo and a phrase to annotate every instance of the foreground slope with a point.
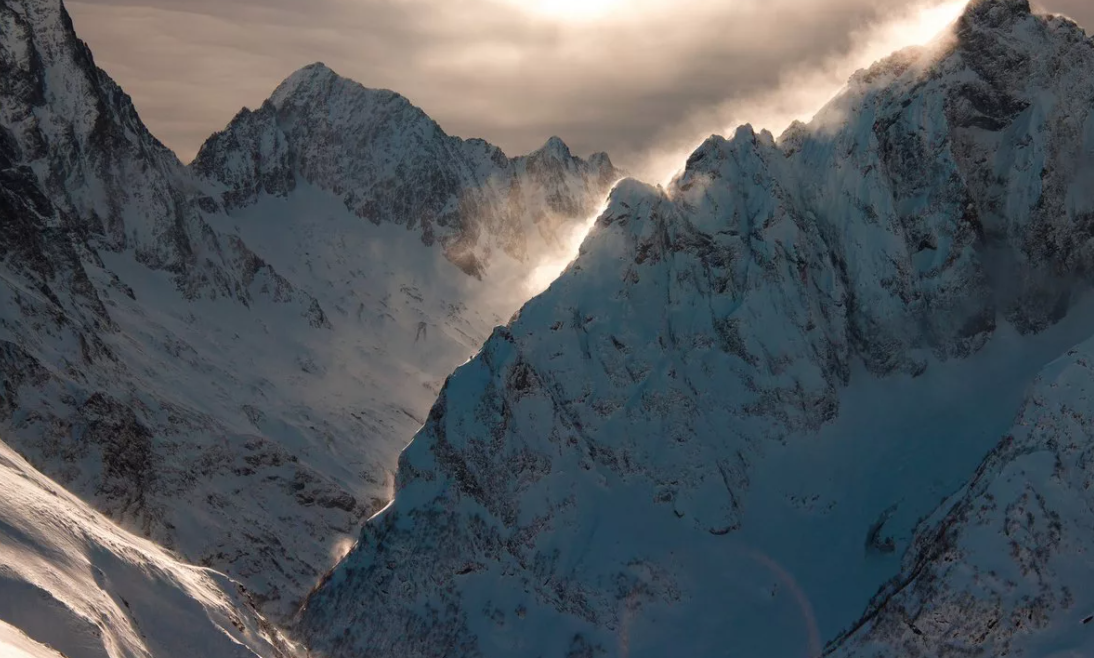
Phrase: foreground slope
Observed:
(736, 397)
(231, 368)
(74, 584)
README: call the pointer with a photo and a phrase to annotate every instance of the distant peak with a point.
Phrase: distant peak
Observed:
(600, 160)
(555, 148)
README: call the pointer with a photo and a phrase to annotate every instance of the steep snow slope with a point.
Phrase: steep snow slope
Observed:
(74, 584)
(1002, 567)
(668, 430)
(232, 371)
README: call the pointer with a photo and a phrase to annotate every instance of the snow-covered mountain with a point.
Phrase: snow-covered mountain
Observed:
(231, 367)
(718, 430)
(74, 584)
(390, 163)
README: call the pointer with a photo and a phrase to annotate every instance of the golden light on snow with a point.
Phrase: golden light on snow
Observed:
(916, 28)
(341, 549)
(549, 269)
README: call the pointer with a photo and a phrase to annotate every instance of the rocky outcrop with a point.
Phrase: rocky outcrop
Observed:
(96, 161)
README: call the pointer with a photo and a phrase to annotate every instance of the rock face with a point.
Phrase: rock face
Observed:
(568, 492)
(390, 163)
(118, 187)
(236, 393)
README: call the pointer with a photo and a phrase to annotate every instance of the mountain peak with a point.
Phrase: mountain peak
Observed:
(995, 12)
(308, 77)
(555, 148)
(601, 160)
(313, 71)
(318, 86)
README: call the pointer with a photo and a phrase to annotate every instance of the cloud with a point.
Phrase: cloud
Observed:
(1081, 11)
(638, 75)
(799, 91)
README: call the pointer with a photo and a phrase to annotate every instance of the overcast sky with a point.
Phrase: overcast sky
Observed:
(641, 79)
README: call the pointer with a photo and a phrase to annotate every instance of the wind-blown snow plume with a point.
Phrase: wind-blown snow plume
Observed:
(547, 269)
(800, 92)
(795, 97)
